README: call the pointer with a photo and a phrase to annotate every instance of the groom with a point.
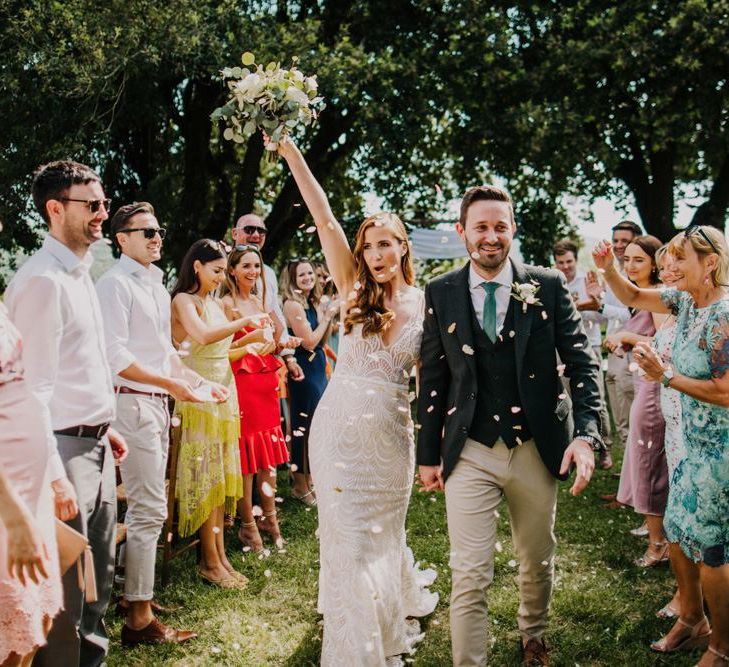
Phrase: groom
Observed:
(495, 421)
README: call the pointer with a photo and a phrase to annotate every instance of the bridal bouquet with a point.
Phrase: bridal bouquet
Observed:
(271, 99)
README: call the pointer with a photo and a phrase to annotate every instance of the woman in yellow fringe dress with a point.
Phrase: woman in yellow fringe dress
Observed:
(209, 480)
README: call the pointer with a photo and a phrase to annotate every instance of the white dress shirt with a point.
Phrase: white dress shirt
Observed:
(613, 309)
(136, 310)
(504, 278)
(53, 304)
(272, 304)
(591, 319)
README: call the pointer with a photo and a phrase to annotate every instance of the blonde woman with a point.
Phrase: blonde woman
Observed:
(362, 447)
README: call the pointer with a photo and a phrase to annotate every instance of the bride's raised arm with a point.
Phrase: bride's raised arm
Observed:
(333, 239)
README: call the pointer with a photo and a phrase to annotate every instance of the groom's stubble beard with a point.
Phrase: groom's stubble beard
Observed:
(490, 264)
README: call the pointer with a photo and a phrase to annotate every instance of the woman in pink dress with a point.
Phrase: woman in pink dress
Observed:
(30, 583)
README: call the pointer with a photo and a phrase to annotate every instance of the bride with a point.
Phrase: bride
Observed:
(361, 441)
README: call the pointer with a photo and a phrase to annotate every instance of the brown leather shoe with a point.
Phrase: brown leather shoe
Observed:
(534, 653)
(154, 633)
(122, 608)
(608, 497)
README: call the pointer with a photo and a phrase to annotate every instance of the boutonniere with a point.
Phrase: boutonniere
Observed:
(526, 293)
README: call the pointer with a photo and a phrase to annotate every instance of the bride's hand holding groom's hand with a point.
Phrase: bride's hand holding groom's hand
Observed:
(431, 478)
(581, 455)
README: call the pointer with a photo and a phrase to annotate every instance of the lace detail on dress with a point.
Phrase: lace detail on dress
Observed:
(362, 460)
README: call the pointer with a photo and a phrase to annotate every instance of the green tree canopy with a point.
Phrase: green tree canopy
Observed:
(424, 97)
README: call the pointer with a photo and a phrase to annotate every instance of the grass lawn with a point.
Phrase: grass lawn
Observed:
(602, 610)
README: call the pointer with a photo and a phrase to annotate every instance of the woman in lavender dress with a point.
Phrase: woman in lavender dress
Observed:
(644, 476)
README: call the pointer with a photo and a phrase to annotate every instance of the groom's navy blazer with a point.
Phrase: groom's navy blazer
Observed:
(448, 375)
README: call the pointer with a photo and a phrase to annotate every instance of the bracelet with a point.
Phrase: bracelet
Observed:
(289, 357)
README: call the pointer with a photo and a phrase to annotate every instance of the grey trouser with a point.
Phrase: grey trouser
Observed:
(144, 423)
(619, 384)
(78, 635)
(473, 491)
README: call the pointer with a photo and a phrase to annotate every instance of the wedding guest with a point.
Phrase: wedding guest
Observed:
(262, 442)
(618, 377)
(250, 229)
(565, 260)
(670, 398)
(53, 304)
(209, 480)
(147, 370)
(308, 319)
(696, 522)
(644, 475)
(30, 582)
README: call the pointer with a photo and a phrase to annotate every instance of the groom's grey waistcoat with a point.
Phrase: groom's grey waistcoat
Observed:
(497, 391)
(449, 375)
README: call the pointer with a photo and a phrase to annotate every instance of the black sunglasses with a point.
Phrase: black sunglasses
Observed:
(93, 204)
(694, 230)
(149, 232)
(254, 229)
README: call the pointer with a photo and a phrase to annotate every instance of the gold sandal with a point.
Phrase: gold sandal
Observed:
(228, 583)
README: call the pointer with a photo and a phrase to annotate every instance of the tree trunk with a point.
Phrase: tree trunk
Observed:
(714, 210)
(652, 184)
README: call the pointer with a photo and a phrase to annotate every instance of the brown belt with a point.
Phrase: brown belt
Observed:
(129, 390)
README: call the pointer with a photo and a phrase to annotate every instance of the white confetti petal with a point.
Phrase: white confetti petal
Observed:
(467, 349)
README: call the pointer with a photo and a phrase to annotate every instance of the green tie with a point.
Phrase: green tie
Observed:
(489, 310)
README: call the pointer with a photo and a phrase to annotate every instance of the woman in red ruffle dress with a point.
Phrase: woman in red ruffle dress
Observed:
(262, 442)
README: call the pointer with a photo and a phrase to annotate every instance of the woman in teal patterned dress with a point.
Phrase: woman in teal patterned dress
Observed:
(697, 515)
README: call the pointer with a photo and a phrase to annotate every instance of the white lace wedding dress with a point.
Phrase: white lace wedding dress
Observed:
(361, 449)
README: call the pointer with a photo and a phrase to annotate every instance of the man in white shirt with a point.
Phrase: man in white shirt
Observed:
(565, 259)
(250, 229)
(618, 378)
(53, 303)
(136, 309)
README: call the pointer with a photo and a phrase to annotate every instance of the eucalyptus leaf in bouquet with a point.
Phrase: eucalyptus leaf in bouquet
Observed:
(269, 98)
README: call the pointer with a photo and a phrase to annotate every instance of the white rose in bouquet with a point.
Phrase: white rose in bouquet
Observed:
(271, 99)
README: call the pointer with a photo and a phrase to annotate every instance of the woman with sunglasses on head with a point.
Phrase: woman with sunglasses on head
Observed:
(309, 319)
(644, 475)
(697, 513)
(209, 479)
(362, 440)
(262, 442)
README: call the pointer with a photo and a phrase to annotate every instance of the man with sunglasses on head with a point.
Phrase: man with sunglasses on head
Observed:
(251, 230)
(136, 309)
(53, 303)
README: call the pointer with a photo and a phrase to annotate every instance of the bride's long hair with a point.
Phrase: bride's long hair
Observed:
(368, 306)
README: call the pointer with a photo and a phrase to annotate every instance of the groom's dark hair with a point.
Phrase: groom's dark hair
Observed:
(483, 193)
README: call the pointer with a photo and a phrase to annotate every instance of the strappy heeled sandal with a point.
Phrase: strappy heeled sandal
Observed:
(694, 640)
(647, 560)
(668, 612)
(308, 498)
(255, 547)
(264, 525)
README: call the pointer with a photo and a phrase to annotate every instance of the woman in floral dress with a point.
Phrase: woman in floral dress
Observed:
(697, 514)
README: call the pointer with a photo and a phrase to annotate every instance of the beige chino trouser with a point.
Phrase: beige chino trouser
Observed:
(473, 491)
(619, 385)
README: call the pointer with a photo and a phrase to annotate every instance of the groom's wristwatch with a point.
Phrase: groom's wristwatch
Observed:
(597, 445)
